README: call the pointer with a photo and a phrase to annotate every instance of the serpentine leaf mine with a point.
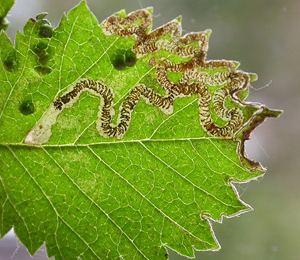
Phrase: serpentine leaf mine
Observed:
(119, 141)
(195, 79)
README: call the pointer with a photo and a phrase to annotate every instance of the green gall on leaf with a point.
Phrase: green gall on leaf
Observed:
(46, 31)
(118, 61)
(130, 58)
(11, 61)
(123, 58)
(41, 16)
(27, 107)
(43, 70)
(40, 47)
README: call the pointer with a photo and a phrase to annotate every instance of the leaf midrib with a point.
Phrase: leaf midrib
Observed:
(113, 142)
(137, 141)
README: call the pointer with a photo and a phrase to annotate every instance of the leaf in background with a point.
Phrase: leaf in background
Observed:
(5, 6)
(94, 190)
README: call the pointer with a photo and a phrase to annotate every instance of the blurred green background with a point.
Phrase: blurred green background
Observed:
(264, 36)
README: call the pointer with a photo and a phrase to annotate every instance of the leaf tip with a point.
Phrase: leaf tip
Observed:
(179, 19)
(208, 32)
(236, 64)
(253, 77)
(41, 16)
(150, 9)
(121, 13)
(83, 2)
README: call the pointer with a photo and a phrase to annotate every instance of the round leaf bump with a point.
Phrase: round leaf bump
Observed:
(27, 107)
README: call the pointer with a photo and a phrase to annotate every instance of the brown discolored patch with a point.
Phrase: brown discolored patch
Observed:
(194, 81)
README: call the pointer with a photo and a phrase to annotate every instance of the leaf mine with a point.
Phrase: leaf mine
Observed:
(120, 141)
(195, 79)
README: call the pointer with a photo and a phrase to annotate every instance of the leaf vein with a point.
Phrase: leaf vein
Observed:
(145, 198)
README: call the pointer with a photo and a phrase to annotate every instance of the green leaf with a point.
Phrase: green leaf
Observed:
(93, 190)
(5, 6)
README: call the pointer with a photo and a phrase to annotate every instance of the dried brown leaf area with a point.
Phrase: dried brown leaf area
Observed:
(194, 78)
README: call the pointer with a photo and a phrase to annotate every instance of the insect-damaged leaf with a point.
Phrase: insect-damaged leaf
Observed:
(93, 185)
